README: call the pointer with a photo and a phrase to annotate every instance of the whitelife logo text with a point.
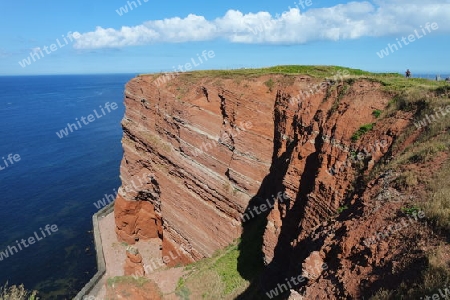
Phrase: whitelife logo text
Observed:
(11, 250)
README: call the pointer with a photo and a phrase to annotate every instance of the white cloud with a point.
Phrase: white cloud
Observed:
(344, 21)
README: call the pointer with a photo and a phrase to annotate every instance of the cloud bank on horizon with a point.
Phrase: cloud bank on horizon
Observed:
(352, 20)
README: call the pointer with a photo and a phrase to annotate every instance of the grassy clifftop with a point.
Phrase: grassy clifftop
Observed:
(392, 81)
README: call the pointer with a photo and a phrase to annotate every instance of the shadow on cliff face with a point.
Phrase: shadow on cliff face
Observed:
(284, 259)
(287, 257)
(250, 261)
(251, 264)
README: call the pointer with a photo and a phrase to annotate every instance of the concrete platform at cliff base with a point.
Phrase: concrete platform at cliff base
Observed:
(115, 255)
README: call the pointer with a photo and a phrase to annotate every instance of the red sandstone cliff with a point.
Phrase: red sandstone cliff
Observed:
(195, 198)
(200, 152)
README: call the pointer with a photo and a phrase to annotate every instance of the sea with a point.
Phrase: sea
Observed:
(441, 76)
(48, 180)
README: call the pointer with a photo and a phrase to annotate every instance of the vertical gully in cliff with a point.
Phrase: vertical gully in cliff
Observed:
(251, 258)
(290, 251)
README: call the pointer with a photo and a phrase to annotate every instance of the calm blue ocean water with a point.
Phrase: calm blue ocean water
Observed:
(57, 180)
(432, 76)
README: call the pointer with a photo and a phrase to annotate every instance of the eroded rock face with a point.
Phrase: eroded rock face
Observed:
(133, 263)
(313, 265)
(136, 219)
(198, 151)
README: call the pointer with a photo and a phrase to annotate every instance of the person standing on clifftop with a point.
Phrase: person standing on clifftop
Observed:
(408, 73)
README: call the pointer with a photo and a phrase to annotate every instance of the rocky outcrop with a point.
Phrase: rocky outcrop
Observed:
(204, 155)
(133, 263)
(136, 219)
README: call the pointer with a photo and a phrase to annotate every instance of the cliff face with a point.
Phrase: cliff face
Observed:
(202, 156)
(207, 148)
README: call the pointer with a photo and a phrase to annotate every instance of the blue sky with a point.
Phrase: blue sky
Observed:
(158, 36)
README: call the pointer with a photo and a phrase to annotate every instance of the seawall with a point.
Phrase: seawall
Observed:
(92, 284)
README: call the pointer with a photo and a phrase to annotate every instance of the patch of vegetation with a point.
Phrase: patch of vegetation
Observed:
(362, 130)
(383, 294)
(431, 142)
(392, 82)
(286, 81)
(435, 277)
(138, 281)
(350, 81)
(341, 209)
(328, 92)
(341, 94)
(376, 113)
(182, 92)
(410, 99)
(435, 128)
(229, 271)
(423, 153)
(411, 210)
(269, 83)
(219, 83)
(14, 292)
(443, 91)
(226, 267)
(180, 282)
(311, 70)
(397, 83)
(419, 152)
(437, 208)
(215, 277)
(421, 97)
(437, 274)
(182, 291)
(406, 180)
